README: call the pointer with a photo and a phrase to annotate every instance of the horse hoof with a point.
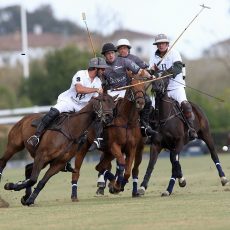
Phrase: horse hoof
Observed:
(23, 200)
(74, 199)
(141, 191)
(100, 191)
(136, 195)
(224, 181)
(182, 182)
(100, 184)
(29, 202)
(113, 190)
(166, 193)
(9, 186)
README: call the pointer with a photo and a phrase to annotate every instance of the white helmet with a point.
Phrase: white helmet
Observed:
(161, 38)
(123, 42)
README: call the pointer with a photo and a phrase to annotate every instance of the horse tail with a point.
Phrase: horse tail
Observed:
(200, 117)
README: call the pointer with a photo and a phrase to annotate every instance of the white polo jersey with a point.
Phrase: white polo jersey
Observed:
(172, 56)
(175, 88)
(70, 100)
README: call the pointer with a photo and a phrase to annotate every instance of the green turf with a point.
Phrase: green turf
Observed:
(202, 204)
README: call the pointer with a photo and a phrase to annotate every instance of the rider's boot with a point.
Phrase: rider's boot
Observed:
(45, 121)
(68, 167)
(189, 115)
(98, 141)
(146, 130)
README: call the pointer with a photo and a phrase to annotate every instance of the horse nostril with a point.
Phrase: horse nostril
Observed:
(108, 118)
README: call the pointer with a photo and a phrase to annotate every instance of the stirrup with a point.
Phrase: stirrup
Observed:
(148, 131)
(192, 134)
(33, 140)
(96, 144)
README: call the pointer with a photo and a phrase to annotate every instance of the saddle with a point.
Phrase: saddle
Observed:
(56, 124)
(156, 121)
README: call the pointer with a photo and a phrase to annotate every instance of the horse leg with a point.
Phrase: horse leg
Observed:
(53, 169)
(123, 174)
(135, 171)
(104, 167)
(176, 173)
(153, 156)
(102, 180)
(11, 149)
(28, 171)
(207, 138)
(79, 157)
(37, 167)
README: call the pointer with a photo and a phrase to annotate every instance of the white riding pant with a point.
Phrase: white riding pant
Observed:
(177, 94)
(69, 105)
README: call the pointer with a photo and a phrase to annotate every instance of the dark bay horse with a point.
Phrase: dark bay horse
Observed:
(56, 147)
(121, 136)
(172, 126)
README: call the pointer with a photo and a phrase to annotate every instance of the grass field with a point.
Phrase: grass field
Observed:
(202, 204)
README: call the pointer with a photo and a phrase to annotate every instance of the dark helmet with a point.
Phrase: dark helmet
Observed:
(97, 62)
(108, 47)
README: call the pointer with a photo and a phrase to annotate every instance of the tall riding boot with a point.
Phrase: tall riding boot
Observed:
(189, 115)
(146, 130)
(45, 121)
(98, 141)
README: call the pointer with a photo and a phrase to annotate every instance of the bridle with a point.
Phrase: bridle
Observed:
(102, 113)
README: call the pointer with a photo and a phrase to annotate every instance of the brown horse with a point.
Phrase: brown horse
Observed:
(122, 136)
(56, 147)
(174, 130)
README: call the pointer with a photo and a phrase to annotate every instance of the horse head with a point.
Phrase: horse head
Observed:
(159, 86)
(103, 107)
(136, 93)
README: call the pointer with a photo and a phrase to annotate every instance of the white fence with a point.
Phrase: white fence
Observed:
(11, 116)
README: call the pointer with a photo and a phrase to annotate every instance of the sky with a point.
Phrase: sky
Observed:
(171, 17)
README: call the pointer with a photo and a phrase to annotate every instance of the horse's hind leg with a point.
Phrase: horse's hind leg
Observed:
(153, 155)
(12, 148)
(207, 138)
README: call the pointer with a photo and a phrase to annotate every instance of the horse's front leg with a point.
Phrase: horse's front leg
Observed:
(176, 173)
(135, 170)
(153, 156)
(28, 171)
(104, 169)
(121, 165)
(103, 177)
(53, 169)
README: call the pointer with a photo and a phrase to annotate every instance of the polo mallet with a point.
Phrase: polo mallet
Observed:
(140, 83)
(89, 35)
(203, 7)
